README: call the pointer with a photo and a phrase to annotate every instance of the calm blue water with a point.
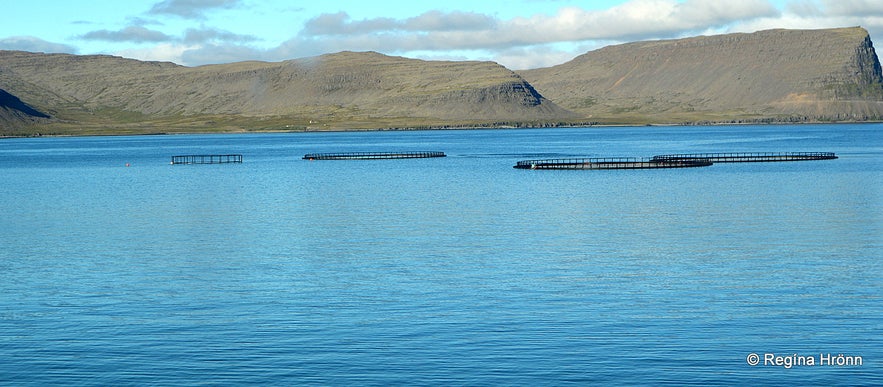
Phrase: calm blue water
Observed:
(456, 270)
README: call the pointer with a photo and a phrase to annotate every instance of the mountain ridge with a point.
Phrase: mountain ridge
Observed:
(766, 76)
(340, 89)
(781, 75)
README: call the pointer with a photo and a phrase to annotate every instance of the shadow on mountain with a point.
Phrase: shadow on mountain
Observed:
(13, 104)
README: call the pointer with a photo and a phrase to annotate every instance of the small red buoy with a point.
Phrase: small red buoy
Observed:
(127, 164)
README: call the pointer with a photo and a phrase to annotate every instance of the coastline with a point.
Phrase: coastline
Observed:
(98, 132)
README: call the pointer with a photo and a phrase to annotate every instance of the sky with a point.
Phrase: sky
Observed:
(519, 34)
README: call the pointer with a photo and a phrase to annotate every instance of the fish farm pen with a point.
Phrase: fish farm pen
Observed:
(748, 157)
(610, 163)
(206, 159)
(371, 155)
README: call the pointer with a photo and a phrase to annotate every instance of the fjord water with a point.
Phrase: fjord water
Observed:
(118, 268)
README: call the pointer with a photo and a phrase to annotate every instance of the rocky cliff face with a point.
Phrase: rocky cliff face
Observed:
(867, 63)
(785, 75)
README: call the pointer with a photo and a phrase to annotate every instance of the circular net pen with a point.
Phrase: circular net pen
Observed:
(372, 155)
(748, 157)
(610, 163)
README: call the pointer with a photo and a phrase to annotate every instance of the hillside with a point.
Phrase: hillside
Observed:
(335, 91)
(15, 113)
(778, 75)
(767, 76)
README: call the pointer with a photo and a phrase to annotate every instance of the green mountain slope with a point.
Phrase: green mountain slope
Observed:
(343, 90)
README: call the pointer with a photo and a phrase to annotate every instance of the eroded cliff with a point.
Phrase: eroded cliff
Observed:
(780, 75)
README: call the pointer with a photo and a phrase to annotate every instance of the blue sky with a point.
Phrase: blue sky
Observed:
(519, 34)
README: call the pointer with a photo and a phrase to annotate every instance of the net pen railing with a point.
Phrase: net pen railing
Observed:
(372, 155)
(207, 159)
(609, 163)
(736, 157)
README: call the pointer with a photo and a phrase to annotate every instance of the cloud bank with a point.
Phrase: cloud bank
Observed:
(135, 34)
(191, 9)
(520, 42)
(33, 44)
(570, 31)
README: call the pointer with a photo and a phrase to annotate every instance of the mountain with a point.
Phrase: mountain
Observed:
(343, 90)
(775, 75)
(766, 76)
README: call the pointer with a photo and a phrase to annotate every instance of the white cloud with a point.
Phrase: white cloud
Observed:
(201, 35)
(191, 9)
(437, 31)
(33, 44)
(636, 19)
(538, 40)
(215, 53)
(193, 54)
(810, 14)
(340, 24)
(854, 7)
(166, 52)
(524, 58)
(136, 34)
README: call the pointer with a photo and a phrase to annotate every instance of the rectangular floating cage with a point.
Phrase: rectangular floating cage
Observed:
(610, 163)
(206, 159)
(372, 155)
(748, 157)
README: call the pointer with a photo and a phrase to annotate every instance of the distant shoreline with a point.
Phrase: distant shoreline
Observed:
(431, 128)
